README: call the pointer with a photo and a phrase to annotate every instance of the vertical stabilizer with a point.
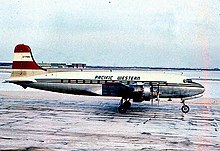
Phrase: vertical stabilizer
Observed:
(24, 63)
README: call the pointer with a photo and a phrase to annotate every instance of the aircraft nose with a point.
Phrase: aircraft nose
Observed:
(200, 89)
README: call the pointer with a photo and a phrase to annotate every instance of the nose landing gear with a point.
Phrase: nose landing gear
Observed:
(184, 108)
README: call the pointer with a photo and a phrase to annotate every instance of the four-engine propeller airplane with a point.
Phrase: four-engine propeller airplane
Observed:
(129, 85)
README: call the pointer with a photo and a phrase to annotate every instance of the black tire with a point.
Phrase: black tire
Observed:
(122, 109)
(127, 104)
(185, 108)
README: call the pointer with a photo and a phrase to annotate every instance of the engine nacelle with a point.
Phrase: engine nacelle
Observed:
(141, 93)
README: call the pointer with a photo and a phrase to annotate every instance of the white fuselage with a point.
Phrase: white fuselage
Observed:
(97, 83)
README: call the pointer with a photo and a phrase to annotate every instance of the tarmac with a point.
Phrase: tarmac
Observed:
(39, 120)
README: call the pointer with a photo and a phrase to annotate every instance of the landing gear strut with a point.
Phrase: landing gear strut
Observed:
(184, 108)
(125, 104)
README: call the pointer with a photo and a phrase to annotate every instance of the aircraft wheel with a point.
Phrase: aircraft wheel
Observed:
(122, 109)
(185, 108)
(127, 104)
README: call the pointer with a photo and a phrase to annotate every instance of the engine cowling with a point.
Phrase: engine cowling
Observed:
(141, 93)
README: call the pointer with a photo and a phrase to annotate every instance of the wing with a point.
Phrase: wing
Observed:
(116, 89)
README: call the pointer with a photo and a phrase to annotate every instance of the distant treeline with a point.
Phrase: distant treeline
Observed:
(3, 64)
(9, 65)
(154, 68)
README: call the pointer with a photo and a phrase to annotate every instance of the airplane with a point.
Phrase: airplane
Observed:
(136, 86)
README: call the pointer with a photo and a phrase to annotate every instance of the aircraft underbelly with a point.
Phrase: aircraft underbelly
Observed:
(114, 89)
(78, 89)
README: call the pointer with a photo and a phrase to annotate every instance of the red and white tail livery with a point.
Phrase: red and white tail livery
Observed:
(23, 58)
(24, 64)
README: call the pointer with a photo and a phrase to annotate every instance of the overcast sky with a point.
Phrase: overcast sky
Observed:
(156, 33)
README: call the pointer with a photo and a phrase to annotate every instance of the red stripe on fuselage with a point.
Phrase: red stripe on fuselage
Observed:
(22, 48)
(25, 65)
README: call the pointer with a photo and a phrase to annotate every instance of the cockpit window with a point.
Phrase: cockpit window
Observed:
(187, 80)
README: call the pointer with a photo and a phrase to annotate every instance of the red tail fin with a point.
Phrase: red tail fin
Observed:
(23, 58)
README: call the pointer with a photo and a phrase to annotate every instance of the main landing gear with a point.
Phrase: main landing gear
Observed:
(125, 104)
(184, 108)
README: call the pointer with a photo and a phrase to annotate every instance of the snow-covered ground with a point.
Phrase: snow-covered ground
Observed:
(52, 121)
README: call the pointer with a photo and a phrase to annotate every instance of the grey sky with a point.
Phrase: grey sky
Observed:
(177, 33)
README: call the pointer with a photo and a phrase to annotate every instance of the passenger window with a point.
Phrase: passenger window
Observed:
(95, 81)
(73, 81)
(87, 81)
(65, 81)
(80, 81)
(102, 82)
